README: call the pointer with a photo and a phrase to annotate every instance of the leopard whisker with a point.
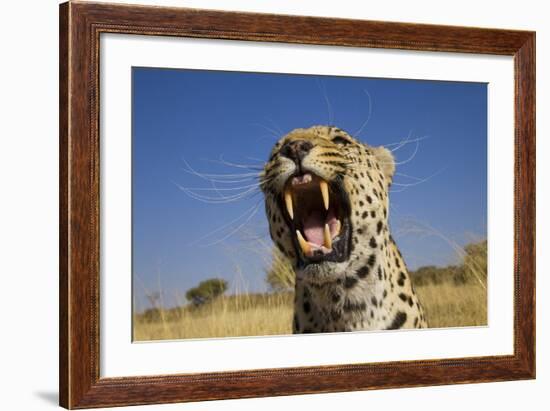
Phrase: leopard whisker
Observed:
(259, 160)
(400, 143)
(323, 90)
(229, 224)
(404, 142)
(236, 165)
(276, 127)
(417, 182)
(210, 176)
(220, 189)
(239, 227)
(274, 133)
(358, 132)
(221, 199)
(408, 176)
(228, 181)
(411, 157)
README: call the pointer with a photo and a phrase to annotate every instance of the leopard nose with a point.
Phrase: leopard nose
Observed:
(296, 150)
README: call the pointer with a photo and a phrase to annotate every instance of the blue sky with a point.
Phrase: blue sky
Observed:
(226, 122)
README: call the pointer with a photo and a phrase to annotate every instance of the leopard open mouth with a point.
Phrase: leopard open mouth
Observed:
(318, 214)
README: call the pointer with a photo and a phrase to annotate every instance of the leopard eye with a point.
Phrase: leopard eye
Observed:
(341, 140)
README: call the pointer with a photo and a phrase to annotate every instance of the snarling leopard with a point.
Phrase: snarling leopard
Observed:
(326, 199)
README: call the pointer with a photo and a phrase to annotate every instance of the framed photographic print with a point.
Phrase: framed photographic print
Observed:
(257, 205)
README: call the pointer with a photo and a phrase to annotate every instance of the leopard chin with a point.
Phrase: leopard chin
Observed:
(319, 273)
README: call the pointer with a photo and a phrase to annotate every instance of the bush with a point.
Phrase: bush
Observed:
(475, 262)
(151, 315)
(472, 269)
(280, 275)
(206, 291)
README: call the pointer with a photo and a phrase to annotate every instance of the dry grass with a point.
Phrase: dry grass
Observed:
(449, 305)
(233, 316)
(446, 305)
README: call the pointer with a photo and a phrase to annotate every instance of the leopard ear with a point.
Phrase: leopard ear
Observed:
(385, 160)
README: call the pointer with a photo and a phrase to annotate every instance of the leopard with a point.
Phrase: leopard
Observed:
(326, 198)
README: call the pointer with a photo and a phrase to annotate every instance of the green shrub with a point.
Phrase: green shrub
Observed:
(206, 291)
(473, 268)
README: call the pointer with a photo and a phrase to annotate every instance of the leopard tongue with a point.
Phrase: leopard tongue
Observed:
(314, 229)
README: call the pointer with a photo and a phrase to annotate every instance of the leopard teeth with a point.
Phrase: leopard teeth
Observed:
(288, 202)
(304, 245)
(328, 239)
(323, 185)
(338, 227)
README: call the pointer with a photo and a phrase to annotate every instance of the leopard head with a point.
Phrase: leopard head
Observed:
(324, 193)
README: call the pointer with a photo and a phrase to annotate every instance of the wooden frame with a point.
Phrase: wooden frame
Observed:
(80, 27)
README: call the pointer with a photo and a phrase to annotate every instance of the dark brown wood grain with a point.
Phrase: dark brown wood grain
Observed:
(63, 205)
(80, 27)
